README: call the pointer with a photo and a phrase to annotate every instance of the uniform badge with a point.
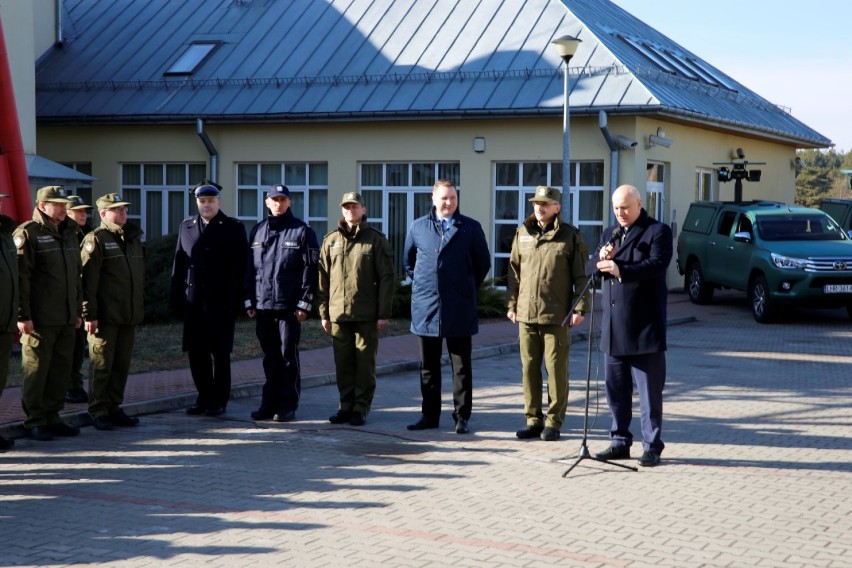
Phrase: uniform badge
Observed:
(542, 191)
(19, 241)
(89, 246)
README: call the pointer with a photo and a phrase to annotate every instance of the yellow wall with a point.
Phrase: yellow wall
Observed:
(345, 145)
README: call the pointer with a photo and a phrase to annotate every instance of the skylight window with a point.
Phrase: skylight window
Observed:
(192, 58)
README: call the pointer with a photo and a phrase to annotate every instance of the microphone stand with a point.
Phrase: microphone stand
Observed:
(583, 453)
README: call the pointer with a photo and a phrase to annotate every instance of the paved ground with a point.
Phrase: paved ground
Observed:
(756, 473)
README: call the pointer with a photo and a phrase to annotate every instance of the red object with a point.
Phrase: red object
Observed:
(13, 162)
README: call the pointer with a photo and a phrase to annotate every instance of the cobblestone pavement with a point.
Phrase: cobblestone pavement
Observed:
(756, 473)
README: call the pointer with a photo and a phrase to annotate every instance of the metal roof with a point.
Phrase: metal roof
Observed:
(279, 60)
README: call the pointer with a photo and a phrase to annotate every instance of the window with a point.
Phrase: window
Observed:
(397, 193)
(308, 185)
(83, 189)
(514, 184)
(655, 177)
(673, 62)
(159, 194)
(704, 189)
(192, 58)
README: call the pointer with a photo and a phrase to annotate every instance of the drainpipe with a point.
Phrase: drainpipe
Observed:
(211, 149)
(613, 160)
(60, 32)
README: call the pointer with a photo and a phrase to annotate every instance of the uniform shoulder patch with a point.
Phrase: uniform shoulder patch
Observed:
(19, 240)
(89, 245)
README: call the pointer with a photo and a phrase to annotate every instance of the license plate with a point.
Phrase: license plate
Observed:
(837, 289)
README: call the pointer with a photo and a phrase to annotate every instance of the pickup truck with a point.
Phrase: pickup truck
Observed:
(781, 255)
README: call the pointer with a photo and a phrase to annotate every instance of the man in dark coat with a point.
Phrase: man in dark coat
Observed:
(78, 210)
(446, 256)
(633, 330)
(8, 301)
(207, 292)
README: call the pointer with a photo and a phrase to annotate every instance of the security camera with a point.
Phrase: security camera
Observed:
(654, 140)
(737, 154)
(625, 143)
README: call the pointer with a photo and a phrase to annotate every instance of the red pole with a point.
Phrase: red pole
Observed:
(16, 183)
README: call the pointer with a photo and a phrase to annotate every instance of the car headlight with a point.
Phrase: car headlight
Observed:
(788, 262)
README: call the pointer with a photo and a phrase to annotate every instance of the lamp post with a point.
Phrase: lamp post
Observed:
(566, 46)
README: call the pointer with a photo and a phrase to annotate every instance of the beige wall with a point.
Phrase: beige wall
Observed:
(345, 145)
(17, 18)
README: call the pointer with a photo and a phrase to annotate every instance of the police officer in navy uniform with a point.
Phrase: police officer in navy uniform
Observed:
(207, 293)
(113, 305)
(280, 282)
(79, 212)
(49, 311)
(8, 301)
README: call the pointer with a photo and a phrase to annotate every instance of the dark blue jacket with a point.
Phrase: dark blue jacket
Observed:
(446, 270)
(282, 265)
(634, 308)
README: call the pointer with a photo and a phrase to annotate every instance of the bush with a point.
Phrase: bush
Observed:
(490, 301)
(159, 256)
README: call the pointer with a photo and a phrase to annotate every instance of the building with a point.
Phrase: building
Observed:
(385, 96)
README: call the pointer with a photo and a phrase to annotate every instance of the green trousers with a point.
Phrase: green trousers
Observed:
(544, 345)
(110, 351)
(355, 345)
(46, 366)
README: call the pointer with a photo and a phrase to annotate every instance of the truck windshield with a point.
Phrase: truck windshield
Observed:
(798, 228)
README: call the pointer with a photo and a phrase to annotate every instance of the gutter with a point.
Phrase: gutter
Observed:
(613, 160)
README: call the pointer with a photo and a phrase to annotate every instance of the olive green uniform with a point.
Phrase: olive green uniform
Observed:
(8, 296)
(50, 296)
(546, 270)
(80, 337)
(355, 290)
(113, 280)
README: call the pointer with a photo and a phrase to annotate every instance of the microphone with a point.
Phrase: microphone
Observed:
(616, 235)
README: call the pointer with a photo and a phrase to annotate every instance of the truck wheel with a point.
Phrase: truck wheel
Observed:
(762, 307)
(699, 291)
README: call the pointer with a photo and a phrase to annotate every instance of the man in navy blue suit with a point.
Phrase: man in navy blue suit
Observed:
(633, 331)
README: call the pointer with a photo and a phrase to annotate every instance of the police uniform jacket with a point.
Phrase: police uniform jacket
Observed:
(634, 315)
(446, 269)
(114, 275)
(282, 265)
(546, 270)
(356, 275)
(49, 271)
(8, 277)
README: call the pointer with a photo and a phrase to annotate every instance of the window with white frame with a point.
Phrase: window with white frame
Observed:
(308, 185)
(397, 193)
(704, 187)
(159, 194)
(515, 183)
(655, 180)
(81, 188)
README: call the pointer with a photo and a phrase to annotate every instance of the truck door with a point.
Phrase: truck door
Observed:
(718, 249)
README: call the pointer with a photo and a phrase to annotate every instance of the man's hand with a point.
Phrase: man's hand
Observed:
(92, 327)
(250, 313)
(576, 319)
(326, 325)
(301, 315)
(607, 252)
(381, 325)
(25, 327)
(512, 316)
(609, 267)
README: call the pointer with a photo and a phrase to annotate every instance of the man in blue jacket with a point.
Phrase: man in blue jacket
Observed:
(633, 329)
(280, 282)
(446, 257)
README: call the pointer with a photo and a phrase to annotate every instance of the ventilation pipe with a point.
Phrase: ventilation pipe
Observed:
(211, 149)
(613, 159)
(60, 32)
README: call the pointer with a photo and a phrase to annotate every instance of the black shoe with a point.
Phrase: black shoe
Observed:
(6, 444)
(262, 414)
(121, 419)
(358, 419)
(614, 453)
(649, 459)
(215, 411)
(285, 416)
(195, 410)
(424, 423)
(41, 433)
(340, 417)
(550, 434)
(103, 423)
(462, 427)
(62, 429)
(76, 396)
(530, 432)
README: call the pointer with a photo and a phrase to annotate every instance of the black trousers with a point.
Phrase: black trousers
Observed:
(648, 372)
(459, 349)
(279, 336)
(211, 372)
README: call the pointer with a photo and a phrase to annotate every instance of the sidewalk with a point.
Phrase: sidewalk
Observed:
(159, 391)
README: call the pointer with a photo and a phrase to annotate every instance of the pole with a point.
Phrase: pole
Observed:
(566, 152)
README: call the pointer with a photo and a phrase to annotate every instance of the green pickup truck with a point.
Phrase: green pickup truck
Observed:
(781, 255)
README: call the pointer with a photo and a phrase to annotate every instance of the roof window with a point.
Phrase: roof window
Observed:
(191, 59)
(679, 64)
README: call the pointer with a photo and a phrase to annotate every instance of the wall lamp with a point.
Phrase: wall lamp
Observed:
(479, 144)
(625, 143)
(659, 139)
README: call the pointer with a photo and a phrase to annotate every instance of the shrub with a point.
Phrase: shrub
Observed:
(159, 256)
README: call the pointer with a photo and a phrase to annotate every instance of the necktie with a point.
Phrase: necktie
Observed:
(444, 225)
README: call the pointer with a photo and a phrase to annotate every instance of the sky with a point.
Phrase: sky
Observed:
(794, 54)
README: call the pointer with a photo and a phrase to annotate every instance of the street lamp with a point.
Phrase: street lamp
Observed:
(566, 47)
